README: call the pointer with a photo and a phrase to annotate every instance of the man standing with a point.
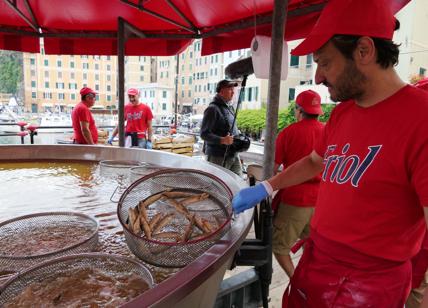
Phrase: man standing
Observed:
(138, 119)
(369, 218)
(297, 203)
(216, 126)
(85, 131)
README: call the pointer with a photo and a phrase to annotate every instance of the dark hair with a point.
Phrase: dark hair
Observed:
(387, 50)
(306, 115)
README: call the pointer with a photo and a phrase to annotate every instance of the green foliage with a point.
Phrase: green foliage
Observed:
(252, 122)
(327, 108)
(10, 71)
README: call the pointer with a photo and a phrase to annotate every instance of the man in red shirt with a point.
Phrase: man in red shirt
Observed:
(372, 208)
(296, 204)
(85, 131)
(138, 119)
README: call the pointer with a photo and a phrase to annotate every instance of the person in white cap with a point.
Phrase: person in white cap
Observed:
(138, 117)
(85, 130)
(372, 209)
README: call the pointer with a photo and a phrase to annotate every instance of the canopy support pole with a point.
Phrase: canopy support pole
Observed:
(121, 41)
(278, 29)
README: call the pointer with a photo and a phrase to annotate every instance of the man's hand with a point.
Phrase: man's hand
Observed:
(226, 140)
(249, 197)
(149, 145)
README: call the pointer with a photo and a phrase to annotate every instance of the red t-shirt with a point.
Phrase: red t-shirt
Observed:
(81, 113)
(136, 118)
(375, 181)
(294, 142)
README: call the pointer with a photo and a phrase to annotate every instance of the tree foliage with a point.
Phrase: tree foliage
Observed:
(252, 122)
(10, 71)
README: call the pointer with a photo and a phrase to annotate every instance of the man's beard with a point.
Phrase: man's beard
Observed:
(349, 84)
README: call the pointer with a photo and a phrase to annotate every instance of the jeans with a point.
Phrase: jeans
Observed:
(233, 163)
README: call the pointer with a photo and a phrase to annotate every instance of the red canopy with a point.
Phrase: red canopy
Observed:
(90, 27)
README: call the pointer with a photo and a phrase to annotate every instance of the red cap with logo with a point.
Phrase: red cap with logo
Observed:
(87, 90)
(372, 18)
(310, 102)
(422, 84)
(132, 91)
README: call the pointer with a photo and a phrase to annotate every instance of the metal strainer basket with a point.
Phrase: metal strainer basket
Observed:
(118, 170)
(216, 210)
(111, 265)
(32, 239)
(142, 170)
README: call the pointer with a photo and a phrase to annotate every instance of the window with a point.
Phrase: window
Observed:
(190, 93)
(58, 63)
(250, 94)
(309, 60)
(182, 93)
(191, 55)
(108, 88)
(33, 95)
(73, 96)
(47, 85)
(182, 80)
(164, 106)
(46, 74)
(108, 67)
(97, 66)
(97, 77)
(190, 79)
(109, 98)
(61, 96)
(59, 75)
(294, 61)
(33, 84)
(85, 76)
(32, 61)
(72, 76)
(46, 62)
(152, 93)
(97, 87)
(85, 65)
(422, 71)
(164, 94)
(291, 94)
(108, 58)
(141, 78)
(33, 73)
(161, 75)
(108, 77)
(256, 94)
(72, 64)
(142, 68)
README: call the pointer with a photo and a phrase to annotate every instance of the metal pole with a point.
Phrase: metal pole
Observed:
(278, 29)
(121, 40)
(176, 90)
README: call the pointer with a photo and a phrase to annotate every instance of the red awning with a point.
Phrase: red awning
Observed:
(89, 27)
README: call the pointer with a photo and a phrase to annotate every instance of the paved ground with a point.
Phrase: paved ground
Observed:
(279, 278)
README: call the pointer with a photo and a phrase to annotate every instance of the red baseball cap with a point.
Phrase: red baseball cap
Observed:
(422, 84)
(372, 18)
(132, 91)
(310, 102)
(86, 90)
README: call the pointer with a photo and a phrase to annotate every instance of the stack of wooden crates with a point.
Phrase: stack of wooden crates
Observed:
(179, 144)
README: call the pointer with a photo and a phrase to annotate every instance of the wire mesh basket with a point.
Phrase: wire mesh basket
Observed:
(142, 170)
(31, 239)
(66, 278)
(188, 232)
(117, 168)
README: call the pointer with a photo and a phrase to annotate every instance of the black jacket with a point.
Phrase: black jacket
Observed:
(216, 123)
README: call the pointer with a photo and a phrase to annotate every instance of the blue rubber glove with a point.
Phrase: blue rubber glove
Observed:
(149, 145)
(249, 197)
(110, 141)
